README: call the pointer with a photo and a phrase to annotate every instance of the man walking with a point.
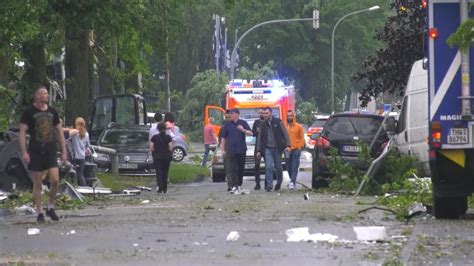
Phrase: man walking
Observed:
(256, 130)
(234, 134)
(272, 141)
(226, 158)
(209, 139)
(42, 123)
(295, 131)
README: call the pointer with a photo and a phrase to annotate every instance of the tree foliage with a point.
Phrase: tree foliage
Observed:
(463, 36)
(403, 36)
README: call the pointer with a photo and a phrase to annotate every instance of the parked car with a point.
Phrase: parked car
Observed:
(180, 148)
(217, 164)
(343, 131)
(316, 127)
(131, 144)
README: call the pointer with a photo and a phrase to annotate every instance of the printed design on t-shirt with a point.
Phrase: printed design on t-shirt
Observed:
(44, 127)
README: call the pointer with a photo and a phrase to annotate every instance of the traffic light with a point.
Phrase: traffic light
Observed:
(316, 19)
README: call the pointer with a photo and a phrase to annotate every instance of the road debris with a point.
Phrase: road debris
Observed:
(143, 188)
(145, 201)
(233, 236)
(131, 191)
(24, 209)
(370, 233)
(301, 234)
(33, 231)
(306, 196)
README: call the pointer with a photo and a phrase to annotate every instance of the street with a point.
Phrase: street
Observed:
(190, 224)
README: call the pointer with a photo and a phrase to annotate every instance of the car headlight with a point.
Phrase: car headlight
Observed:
(101, 157)
(149, 158)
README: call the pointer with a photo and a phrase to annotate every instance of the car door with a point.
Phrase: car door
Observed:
(217, 113)
(401, 138)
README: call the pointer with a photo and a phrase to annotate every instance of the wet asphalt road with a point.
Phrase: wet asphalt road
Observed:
(190, 224)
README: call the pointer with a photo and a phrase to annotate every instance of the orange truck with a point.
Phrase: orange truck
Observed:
(251, 95)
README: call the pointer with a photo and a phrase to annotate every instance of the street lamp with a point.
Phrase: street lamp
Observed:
(332, 48)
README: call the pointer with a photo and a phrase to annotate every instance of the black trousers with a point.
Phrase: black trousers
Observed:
(237, 166)
(162, 167)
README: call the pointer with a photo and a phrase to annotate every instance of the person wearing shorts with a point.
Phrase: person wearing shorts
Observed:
(43, 125)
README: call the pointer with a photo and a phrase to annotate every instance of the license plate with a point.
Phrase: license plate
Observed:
(350, 148)
(249, 166)
(128, 165)
(457, 136)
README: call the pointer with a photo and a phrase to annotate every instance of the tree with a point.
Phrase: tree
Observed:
(388, 69)
(206, 89)
(463, 36)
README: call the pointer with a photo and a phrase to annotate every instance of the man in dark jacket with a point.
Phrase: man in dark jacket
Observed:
(272, 141)
(256, 131)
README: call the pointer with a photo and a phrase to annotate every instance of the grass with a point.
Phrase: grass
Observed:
(179, 173)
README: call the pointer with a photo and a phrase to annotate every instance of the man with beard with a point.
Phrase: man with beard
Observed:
(256, 131)
(272, 141)
(42, 123)
(295, 131)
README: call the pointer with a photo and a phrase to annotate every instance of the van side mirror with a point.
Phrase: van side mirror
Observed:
(315, 136)
(391, 126)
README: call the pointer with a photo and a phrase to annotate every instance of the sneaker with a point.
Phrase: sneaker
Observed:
(268, 190)
(52, 214)
(229, 189)
(40, 219)
(257, 186)
(233, 190)
(291, 186)
(277, 187)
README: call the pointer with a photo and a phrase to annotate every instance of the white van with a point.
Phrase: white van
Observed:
(412, 128)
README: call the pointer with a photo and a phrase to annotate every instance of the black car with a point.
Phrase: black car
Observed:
(344, 131)
(131, 144)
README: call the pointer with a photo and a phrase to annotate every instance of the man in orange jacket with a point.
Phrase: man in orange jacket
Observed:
(296, 134)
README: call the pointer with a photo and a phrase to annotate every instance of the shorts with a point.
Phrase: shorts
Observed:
(41, 162)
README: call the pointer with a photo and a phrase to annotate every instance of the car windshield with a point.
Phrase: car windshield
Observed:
(125, 137)
(319, 123)
(353, 125)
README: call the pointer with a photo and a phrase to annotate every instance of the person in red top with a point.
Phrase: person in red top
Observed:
(209, 139)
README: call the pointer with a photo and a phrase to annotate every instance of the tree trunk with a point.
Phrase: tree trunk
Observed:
(4, 67)
(77, 73)
(35, 70)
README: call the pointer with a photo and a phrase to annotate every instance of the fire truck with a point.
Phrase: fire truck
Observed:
(251, 95)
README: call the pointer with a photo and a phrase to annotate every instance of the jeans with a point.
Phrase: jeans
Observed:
(206, 154)
(257, 167)
(272, 161)
(81, 181)
(237, 166)
(293, 164)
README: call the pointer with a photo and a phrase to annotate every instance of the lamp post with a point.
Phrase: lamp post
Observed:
(315, 20)
(332, 48)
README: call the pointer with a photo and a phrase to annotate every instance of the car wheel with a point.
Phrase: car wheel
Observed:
(218, 177)
(18, 175)
(178, 154)
(317, 181)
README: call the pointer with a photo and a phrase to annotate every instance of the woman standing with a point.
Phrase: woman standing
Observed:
(160, 147)
(80, 145)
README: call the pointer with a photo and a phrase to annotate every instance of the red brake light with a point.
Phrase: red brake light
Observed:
(436, 135)
(433, 33)
(323, 142)
(424, 4)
